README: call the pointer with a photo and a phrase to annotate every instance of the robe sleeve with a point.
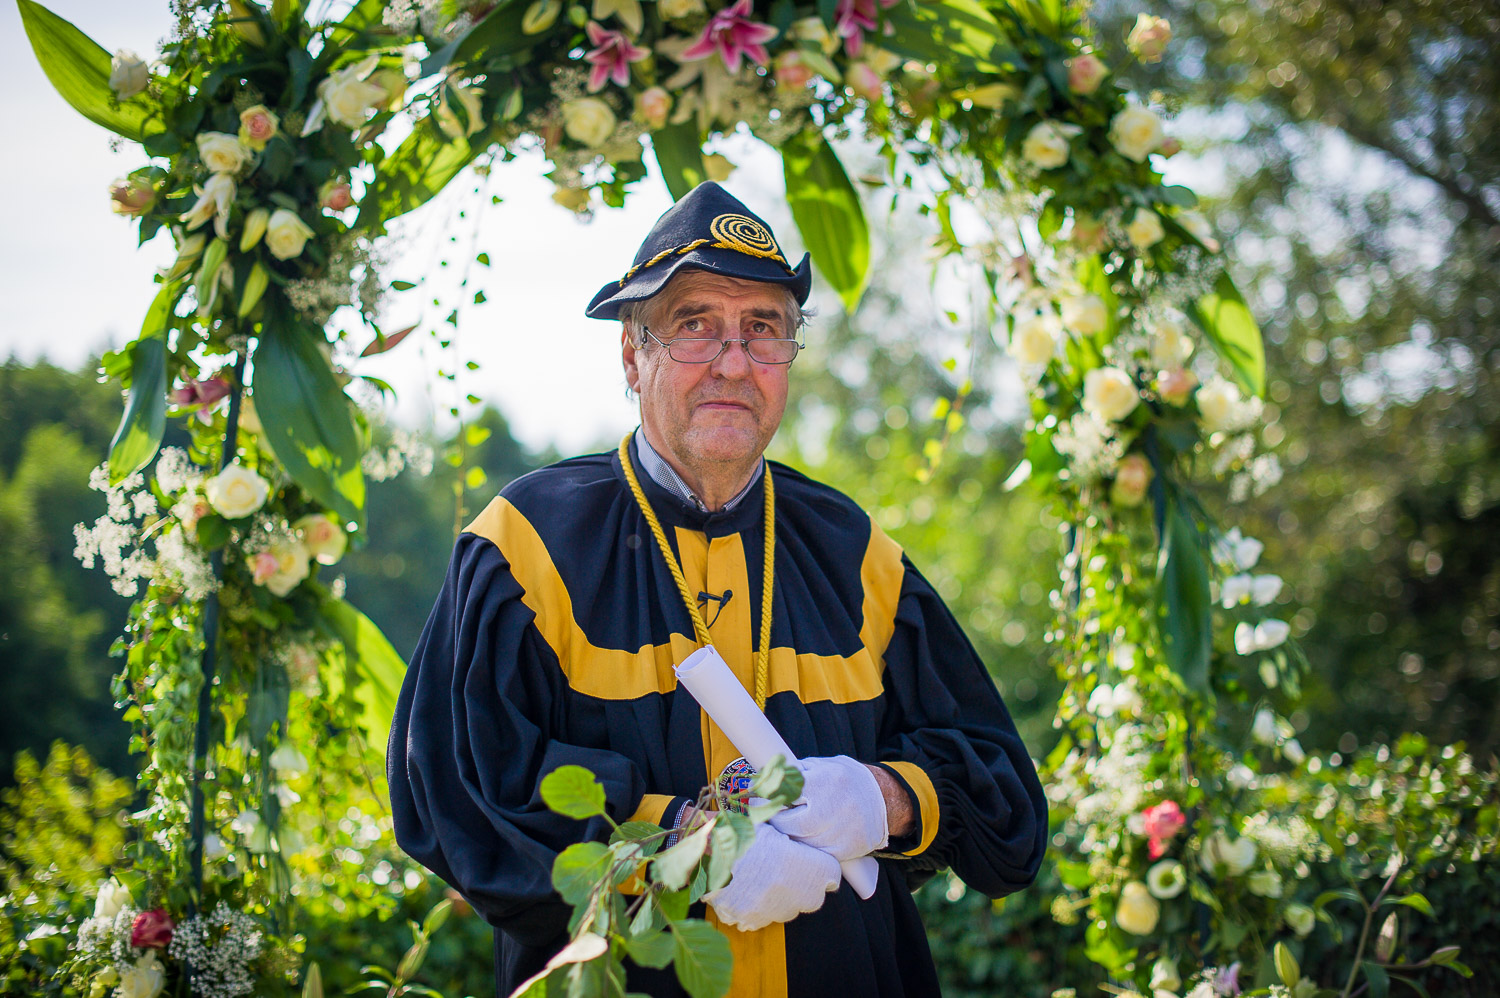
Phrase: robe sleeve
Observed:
(948, 737)
(474, 733)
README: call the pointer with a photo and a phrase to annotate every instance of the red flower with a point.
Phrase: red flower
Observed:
(732, 34)
(202, 394)
(1162, 822)
(611, 55)
(152, 929)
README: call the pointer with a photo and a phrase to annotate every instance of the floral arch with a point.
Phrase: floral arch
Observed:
(266, 153)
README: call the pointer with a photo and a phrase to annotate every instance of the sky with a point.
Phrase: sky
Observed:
(75, 283)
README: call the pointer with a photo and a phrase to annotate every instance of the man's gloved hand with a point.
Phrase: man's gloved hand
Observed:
(842, 810)
(774, 881)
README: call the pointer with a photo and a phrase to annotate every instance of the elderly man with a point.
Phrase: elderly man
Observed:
(572, 595)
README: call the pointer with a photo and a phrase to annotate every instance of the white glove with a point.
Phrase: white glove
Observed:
(774, 881)
(841, 810)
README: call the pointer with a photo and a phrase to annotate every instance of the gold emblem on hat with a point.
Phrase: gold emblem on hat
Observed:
(745, 235)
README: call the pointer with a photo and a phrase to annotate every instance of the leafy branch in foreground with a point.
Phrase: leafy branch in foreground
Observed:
(631, 897)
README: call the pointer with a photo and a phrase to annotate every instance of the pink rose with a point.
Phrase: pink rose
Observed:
(131, 196)
(152, 929)
(1085, 73)
(1176, 386)
(864, 81)
(1170, 147)
(1148, 39)
(653, 105)
(1132, 476)
(264, 565)
(792, 70)
(1162, 822)
(336, 195)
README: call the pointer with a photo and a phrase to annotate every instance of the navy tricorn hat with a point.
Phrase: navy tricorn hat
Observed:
(709, 229)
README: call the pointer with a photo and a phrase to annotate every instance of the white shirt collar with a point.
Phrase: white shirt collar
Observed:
(666, 476)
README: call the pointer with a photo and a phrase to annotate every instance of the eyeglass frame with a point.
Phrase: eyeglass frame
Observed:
(724, 345)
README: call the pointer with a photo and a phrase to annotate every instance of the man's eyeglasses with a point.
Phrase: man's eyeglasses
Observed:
(705, 350)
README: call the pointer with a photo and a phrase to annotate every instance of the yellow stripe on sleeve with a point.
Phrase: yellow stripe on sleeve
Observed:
(927, 803)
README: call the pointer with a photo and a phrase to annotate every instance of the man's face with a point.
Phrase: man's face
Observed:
(724, 412)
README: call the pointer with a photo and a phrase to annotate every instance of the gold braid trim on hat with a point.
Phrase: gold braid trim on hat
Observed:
(740, 233)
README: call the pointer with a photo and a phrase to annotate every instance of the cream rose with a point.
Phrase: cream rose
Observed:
(1171, 345)
(1299, 918)
(676, 10)
(1235, 855)
(222, 152)
(652, 106)
(324, 539)
(1109, 393)
(143, 979)
(258, 125)
(1085, 73)
(1148, 39)
(1138, 910)
(128, 74)
(1084, 314)
(1046, 145)
(1223, 408)
(348, 97)
(1166, 879)
(111, 898)
(1145, 229)
(291, 565)
(236, 491)
(1136, 133)
(1033, 341)
(588, 120)
(286, 234)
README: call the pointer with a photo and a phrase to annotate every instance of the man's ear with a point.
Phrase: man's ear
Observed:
(629, 356)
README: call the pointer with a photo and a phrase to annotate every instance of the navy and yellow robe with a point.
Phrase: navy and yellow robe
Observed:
(553, 641)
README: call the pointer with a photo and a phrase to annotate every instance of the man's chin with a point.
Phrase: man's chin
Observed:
(724, 444)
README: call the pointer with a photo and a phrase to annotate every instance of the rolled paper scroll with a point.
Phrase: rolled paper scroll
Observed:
(708, 678)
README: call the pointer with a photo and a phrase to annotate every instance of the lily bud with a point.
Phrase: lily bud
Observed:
(540, 16)
(255, 286)
(1385, 943)
(187, 252)
(207, 280)
(245, 23)
(1286, 965)
(255, 228)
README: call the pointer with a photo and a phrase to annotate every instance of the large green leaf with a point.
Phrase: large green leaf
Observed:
(958, 33)
(79, 69)
(374, 664)
(417, 170)
(828, 214)
(145, 419)
(578, 868)
(1182, 591)
(702, 958)
(679, 155)
(573, 791)
(1232, 329)
(306, 416)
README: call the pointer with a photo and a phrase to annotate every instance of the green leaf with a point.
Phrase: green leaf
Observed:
(79, 70)
(679, 156)
(1416, 901)
(1337, 894)
(701, 958)
(635, 831)
(376, 667)
(306, 416)
(578, 869)
(1380, 982)
(778, 782)
(1183, 599)
(420, 167)
(436, 916)
(145, 419)
(674, 904)
(958, 33)
(732, 835)
(652, 950)
(674, 867)
(1226, 320)
(573, 791)
(828, 214)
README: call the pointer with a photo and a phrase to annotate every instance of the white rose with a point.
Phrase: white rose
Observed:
(324, 539)
(1236, 855)
(1145, 229)
(286, 234)
(1164, 975)
(143, 979)
(1166, 879)
(1109, 394)
(1171, 345)
(676, 10)
(1264, 883)
(588, 120)
(291, 565)
(1136, 133)
(222, 152)
(1299, 918)
(128, 74)
(348, 97)
(1222, 407)
(1046, 145)
(1084, 314)
(1263, 728)
(236, 491)
(112, 897)
(1138, 910)
(1034, 339)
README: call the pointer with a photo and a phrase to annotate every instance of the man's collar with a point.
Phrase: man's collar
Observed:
(666, 476)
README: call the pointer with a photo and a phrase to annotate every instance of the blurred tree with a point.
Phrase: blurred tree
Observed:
(1360, 145)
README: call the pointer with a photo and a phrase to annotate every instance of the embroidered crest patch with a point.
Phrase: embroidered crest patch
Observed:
(732, 789)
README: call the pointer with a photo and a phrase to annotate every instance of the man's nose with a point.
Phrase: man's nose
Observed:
(734, 361)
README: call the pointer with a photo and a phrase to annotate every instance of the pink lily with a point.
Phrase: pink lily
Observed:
(852, 18)
(203, 394)
(732, 34)
(611, 55)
